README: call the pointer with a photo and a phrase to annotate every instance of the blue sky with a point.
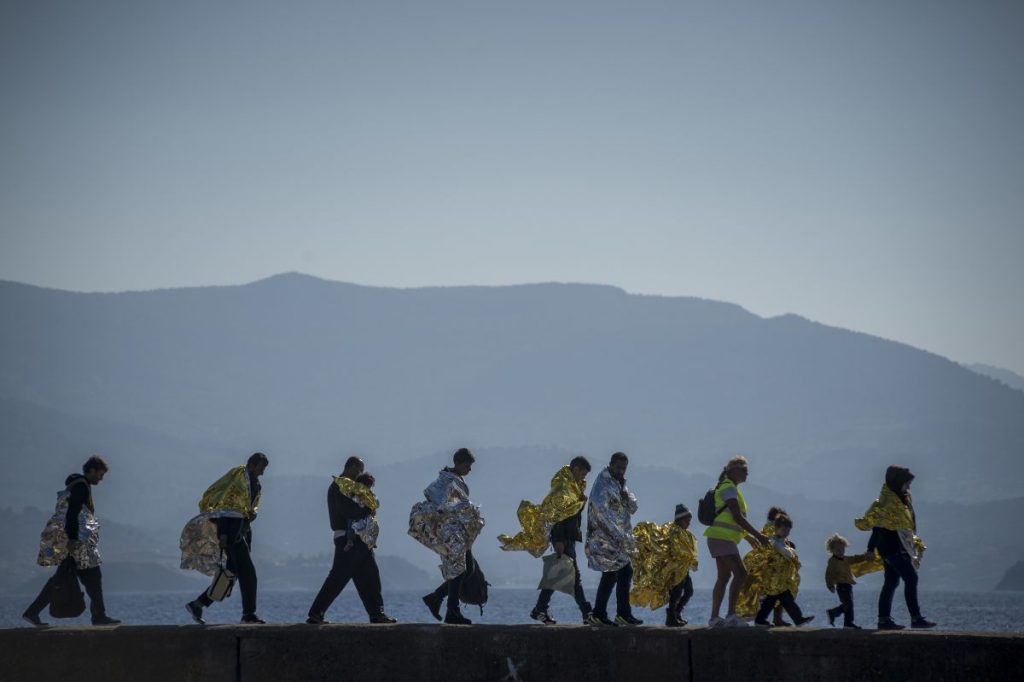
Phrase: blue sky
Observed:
(857, 163)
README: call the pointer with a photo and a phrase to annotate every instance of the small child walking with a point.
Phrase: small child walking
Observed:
(839, 578)
(783, 572)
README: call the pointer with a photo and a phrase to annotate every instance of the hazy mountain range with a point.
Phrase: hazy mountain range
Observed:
(175, 386)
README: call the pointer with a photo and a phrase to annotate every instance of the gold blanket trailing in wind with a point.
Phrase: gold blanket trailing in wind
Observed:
(664, 555)
(889, 512)
(357, 491)
(769, 571)
(565, 500)
(230, 493)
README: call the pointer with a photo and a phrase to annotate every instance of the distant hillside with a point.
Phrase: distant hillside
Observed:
(1011, 379)
(174, 385)
(1013, 579)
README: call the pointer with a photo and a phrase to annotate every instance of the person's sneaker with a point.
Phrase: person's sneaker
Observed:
(105, 620)
(594, 619)
(542, 616)
(672, 620)
(805, 620)
(921, 623)
(628, 620)
(317, 620)
(456, 618)
(734, 621)
(252, 619)
(433, 603)
(716, 622)
(851, 626)
(889, 624)
(763, 624)
(195, 609)
(33, 619)
(780, 623)
(383, 618)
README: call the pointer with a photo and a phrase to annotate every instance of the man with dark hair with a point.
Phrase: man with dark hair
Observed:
(556, 520)
(230, 506)
(610, 542)
(350, 500)
(74, 531)
(447, 522)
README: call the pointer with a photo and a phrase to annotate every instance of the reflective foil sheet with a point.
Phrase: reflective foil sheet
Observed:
(610, 543)
(564, 500)
(768, 572)
(889, 512)
(367, 529)
(200, 549)
(664, 556)
(447, 522)
(357, 492)
(53, 542)
(230, 492)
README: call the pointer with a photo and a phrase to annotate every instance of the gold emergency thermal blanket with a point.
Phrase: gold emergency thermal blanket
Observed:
(664, 555)
(53, 542)
(447, 522)
(230, 493)
(769, 571)
(367, 528)
(564, 500)
(889, 512)
(610, 543)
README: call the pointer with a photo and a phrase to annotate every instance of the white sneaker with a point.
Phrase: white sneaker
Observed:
(715, 622)
(734, 621)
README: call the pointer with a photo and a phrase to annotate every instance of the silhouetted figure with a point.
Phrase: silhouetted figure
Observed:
(73, 531)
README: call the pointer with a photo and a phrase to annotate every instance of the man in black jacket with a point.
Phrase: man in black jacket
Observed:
(355, 562)
(79, 497)
(564, 536)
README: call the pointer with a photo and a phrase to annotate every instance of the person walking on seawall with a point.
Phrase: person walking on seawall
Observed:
(610, 542)
(729, 527)
(349, 501)
(231, 504)
(74, 531)
(556, 520)
(447, 522)
(893, 526)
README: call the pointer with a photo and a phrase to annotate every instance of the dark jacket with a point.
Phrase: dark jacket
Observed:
(341, 509)
(568, 530)
(79, 494)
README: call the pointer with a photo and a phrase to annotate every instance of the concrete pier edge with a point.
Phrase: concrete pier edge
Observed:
(501, 652)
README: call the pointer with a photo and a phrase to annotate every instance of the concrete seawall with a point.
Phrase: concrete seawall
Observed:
(500, 652)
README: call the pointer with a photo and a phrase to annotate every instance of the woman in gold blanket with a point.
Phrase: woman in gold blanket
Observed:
(893, 526)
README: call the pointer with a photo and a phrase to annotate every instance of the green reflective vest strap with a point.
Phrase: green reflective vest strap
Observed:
(725, 526)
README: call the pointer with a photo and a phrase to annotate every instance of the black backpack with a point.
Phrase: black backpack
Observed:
(474, 587)
(706, 511)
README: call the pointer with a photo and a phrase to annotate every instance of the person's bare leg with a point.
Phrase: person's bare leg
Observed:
(718, 593)
(739, 576)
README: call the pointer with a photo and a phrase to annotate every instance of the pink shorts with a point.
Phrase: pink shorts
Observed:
(719, 547)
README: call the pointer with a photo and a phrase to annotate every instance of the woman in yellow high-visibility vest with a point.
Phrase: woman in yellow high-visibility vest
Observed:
(724, 535)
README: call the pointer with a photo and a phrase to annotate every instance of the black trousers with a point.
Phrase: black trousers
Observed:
(788, 603)
(359, 565)
(898, 566)
(544, 599)
(450, 588)
(92, 581)
(680, 595)
(845, 594)
(622, 580)
(239, 562)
